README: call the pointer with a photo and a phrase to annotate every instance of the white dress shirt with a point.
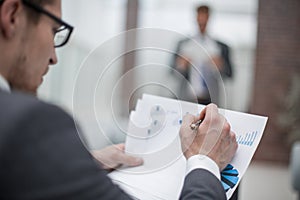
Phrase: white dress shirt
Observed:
(203, 162)
(200, 50)
(4, 84)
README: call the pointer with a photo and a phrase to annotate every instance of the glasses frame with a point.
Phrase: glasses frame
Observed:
(56, 19)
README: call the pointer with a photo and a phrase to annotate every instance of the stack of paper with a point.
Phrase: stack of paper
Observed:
(153, 134)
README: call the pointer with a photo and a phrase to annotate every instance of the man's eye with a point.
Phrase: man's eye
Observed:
(57, 29)
(54, 31)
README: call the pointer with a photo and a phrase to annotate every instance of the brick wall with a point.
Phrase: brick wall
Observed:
(278, 58)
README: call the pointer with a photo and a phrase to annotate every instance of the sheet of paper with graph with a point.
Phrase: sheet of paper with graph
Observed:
(153, 135)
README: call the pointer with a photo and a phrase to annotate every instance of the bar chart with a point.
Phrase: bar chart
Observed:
(247, 139)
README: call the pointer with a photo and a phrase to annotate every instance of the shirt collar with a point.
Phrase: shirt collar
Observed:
(4, 84)
(201, 37)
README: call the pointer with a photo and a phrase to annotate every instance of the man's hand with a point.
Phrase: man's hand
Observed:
(213, 137)
(183, 63)
(113, 156)
(218, 62)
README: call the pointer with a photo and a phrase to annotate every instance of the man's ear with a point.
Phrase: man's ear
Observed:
(10, 17)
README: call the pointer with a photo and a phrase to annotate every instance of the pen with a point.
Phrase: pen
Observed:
(196, 124)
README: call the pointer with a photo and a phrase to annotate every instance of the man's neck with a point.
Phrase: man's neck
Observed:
(201, 36)
(202, 33)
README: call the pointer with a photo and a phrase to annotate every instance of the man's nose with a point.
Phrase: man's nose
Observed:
(53, 58)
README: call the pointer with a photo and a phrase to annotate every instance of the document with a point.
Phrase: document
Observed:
(153, 134)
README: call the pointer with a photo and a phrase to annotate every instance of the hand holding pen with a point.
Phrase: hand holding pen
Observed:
(195, 125)
(208, 134)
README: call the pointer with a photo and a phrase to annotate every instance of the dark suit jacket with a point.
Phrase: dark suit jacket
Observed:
(42, 157)
(227, 70)
(209, 77)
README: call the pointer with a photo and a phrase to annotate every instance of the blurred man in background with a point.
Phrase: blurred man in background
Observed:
(201, 60)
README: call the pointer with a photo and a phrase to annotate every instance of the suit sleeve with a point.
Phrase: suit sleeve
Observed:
(45, 159)
(200, 184)
(175, 55)
(227, 70)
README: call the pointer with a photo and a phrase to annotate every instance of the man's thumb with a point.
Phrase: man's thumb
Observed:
(131, 161)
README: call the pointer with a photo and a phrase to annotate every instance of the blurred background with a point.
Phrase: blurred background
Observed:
(264, 39)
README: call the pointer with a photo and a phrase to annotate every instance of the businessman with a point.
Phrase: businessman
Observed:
(41, 155)
(201, 59)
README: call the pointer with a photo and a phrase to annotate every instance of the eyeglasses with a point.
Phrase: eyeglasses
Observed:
(63, 33)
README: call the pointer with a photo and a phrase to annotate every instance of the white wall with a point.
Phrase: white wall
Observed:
(233, 22)
(99, 22)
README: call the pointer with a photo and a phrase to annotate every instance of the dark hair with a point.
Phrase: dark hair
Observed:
(203, 9)
(37, 2)
(33, 14)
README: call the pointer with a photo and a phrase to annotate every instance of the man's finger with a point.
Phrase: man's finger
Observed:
(130, 161)
(208, 113)
(127, 159)
(188, 119)
(121, 146)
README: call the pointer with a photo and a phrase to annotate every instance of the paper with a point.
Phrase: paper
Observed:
(153, 135)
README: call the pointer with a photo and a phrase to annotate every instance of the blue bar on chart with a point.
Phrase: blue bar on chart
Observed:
(247, 139)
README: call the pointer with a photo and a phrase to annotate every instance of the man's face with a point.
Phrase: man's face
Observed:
(37, 51)
(202, 19)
